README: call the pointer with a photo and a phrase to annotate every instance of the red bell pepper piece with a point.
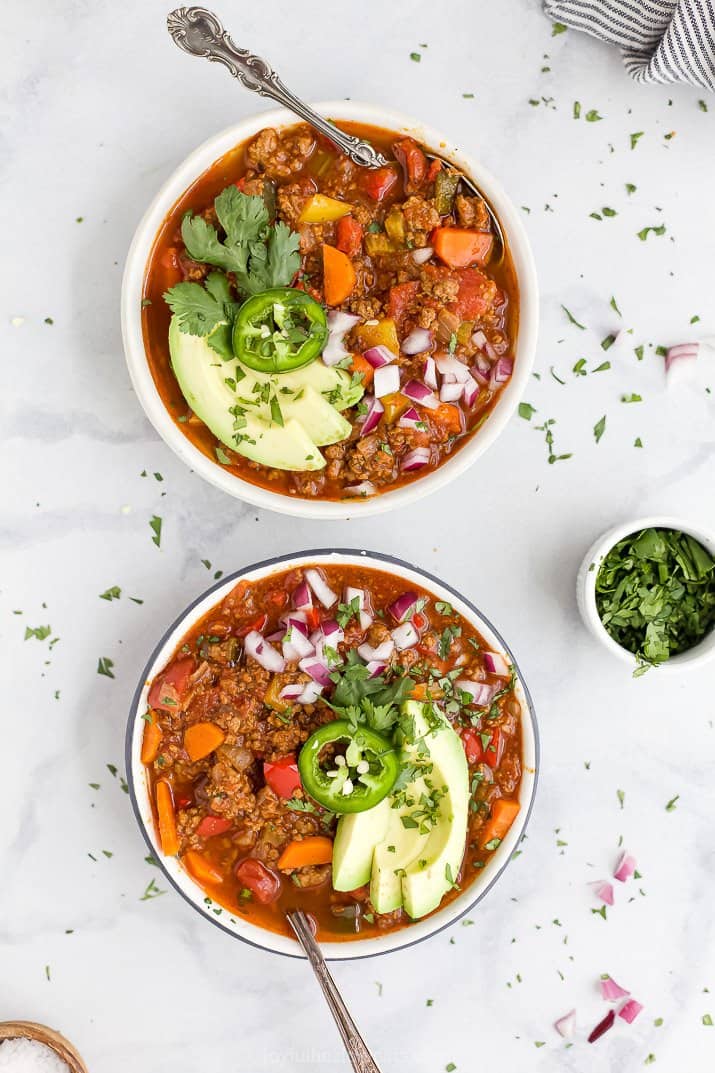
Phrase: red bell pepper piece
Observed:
(176, 678)
(377, 182)
(213, 825)
(348, 236)
(282, 775)
(264, 885)
(495, 748)
(413, 161)
(472, 743)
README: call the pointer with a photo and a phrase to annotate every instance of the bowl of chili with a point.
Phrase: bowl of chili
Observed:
(269, 270)
(278, 721)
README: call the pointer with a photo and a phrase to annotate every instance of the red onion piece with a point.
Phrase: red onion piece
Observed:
(680, 352)
(602, 1027)
(484, 366)
(296, 645)
(630, 1010)
(379, 653)
(625, 868)
(451, 392)
(310, 693)
(320, 587)
(378, 356)
(375, 410)
(604, 891)
(333, 633)
(375, 668)
(415, 459)
(403, 607)
(318, 670)
(361, 490)
(277, 635)
(610, 990)
(419, 340)
(297, 619)
(471, 392)
(479, 339)
(566, 1025)
(502, 370)
(302, 598)
(405, 636)
(264, 653)
(422, 255)
(419, 393)
(292, 691)
(452, 367)
(386, 381)
(339, 324)
(480, 692)
(366, 616)
(429, 373)
(496, 664)
(409, 419)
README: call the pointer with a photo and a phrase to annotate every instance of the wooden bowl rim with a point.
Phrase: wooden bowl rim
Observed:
(43, 1034)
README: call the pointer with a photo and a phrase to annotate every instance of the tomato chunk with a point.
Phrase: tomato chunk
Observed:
(476, 295)
(377, 182)
(257, 624)
(413, 161)
(211, 826)
(349, 236)
(282, 775)
(401, 297)
(264, 885)
(472, 743)
(176, 678)
(495, 748)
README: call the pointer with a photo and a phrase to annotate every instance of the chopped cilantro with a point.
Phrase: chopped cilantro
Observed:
(599, 428)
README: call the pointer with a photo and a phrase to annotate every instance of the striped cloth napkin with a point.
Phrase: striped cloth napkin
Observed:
(660, 40)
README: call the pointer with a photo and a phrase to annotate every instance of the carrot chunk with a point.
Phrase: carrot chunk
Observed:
(338, 276)
(201, 739)
(201, 868)
(168, 835)
(315, 849)
(459, 247)
(504, 812)
(362, 365)
(151, 742)
(449, 417)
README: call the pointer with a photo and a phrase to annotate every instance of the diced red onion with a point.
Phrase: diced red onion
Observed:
(263, 652)
(277, 635)
(625, 868)
(404, 606)
(451, 392)
(333, 633)
(361, 490)
(479, 339)
(480, 692)
(490, 351)
(419, 340)
(292, 691)
(566, 1025)
(471, 392)
(375, 410)
(429, 373)
(419, 393)
(339, 324)
(409, 419)
(449, 367)
(320, 587)
(386, 381)
(296, 645)
(297, 619)
(302, 598)
(484, 366)
(378, 653)
(602, 1027)
(502, 370)
(310, 693)
(630, 1010)
(680, 352)
(496, 664)
(318, 670)
(405, 636)
(415, 459)
(604, 891)
(366, 616)
(422, 255)
(375, 668)
(610, 990)
(379, 356)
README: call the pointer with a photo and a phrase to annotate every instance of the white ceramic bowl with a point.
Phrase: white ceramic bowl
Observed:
(194, 166)
(243, 929)
(586, 590)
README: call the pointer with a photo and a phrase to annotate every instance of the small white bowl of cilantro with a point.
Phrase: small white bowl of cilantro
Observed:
(646, 590)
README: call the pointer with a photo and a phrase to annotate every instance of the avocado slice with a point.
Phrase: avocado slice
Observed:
(394, 853)
(308, 398)
(355, 839)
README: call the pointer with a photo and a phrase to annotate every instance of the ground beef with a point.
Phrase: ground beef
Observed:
(279, 156)
(420, 216)
(440, 283)
(472, 212)
(308, 484)
(367, 461)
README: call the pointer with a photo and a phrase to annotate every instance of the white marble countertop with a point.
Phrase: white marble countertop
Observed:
(97, 108)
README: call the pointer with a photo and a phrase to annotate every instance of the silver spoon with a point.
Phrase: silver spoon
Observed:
(199, 32)
(360, 1057)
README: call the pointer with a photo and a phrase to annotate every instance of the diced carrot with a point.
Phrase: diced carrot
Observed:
(362, 365)
(504, 812)
(459, 247)
(425, 691)
(151, 742)
(201, 868)
(348, 236)
(338, 275)
(168, 835)
(200, 739)
(449, 417)
(315, 849)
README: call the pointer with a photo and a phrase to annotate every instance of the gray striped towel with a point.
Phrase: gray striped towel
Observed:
(660, 40)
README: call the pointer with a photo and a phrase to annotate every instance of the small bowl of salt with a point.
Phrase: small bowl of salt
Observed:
(26, 1047)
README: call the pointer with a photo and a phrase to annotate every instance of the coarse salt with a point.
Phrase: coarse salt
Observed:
(29, 1056)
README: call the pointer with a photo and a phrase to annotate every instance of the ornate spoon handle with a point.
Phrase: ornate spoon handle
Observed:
(198, 32)
(360, 1057)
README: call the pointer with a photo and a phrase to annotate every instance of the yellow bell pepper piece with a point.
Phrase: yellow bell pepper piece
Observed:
(379, 244)
(395, 226)
(395, 405)
(320, 209)
(380, 333)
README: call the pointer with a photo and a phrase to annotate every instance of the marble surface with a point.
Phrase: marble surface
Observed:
(97, 108)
